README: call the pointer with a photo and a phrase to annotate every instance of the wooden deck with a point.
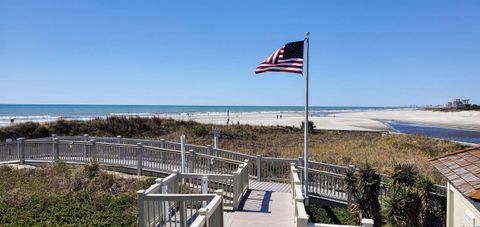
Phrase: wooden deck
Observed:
(266, 204)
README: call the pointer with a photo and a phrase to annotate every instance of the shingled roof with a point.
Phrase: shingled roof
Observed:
(462, 169)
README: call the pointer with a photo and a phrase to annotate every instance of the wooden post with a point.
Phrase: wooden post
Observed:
(248, 166)
(259, 167)
(302, 221)
(367, 222)
(183, 214)
(120, 153)
(209, 153)
(140, 151)
(293, 171)
(93, 150)
(215, 142)
(21, 150)
(141, 208)
(300, 164)
(85, 138)
(119, 139)
(193, 157)
(162, 153)
(237, 184)
(219, 192)
(204, 189)
(351, 168)
(56, 151)
(204, 212)
(183, 143)
(165, 190)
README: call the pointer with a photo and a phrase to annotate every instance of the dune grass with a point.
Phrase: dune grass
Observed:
(380, 150)
(60, 195)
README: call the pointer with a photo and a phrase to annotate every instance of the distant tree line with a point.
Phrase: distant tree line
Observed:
(474, 107)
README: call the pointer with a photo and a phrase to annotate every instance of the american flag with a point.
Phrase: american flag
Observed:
(288, 58)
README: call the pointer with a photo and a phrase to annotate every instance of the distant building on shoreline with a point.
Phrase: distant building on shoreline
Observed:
(457, 103)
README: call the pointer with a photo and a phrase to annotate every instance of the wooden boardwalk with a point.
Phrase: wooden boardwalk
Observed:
(266, 204)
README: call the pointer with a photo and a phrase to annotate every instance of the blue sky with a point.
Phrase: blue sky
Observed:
(362, 53)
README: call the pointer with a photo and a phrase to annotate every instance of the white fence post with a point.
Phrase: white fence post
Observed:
(219, 192)
(56, 150)
(162, 153)
(237, 187)
(140, 151)
(351, 168)
(204, 212)
(21, 150)
(85, 138)
(209, 153)
(93, 150)
(182, 148)
(204, 189)
(183, 214)
(300, 164)
(259, 167)
(141, 208)
(165, 190)
(367, 222)
(193, 156)
(119, 139)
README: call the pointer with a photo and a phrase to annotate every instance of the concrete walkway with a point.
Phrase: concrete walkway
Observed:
(266, 204)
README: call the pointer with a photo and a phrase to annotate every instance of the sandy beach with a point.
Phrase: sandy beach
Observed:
(358, 121)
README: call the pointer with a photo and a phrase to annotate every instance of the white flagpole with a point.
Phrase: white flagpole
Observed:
(306, 125)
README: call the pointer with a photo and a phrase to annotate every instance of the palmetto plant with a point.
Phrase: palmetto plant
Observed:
(365, 187)
(409, 199)
(404, 174)
(424, 187)
(401, 206)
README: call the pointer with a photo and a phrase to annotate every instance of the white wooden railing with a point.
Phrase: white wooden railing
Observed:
(229, 170)
(166, 203)
(300, 215)
(326, 180)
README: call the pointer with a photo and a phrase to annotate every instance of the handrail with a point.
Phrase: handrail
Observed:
(300, 215)
(80, 149)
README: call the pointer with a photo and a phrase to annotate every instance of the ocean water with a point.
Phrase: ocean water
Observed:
(45, 112)
(462, 135)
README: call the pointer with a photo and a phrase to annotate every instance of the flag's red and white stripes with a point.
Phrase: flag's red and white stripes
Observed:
(276, 63)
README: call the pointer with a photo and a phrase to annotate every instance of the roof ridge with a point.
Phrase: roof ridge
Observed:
(456, 152)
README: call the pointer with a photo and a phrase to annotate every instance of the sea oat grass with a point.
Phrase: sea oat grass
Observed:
(381, 150)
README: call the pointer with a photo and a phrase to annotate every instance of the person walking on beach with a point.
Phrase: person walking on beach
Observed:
(228, 117)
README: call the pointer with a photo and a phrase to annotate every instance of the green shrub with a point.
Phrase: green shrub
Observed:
(329, 215)
(63, 195)
(311, 126)
(200, 131)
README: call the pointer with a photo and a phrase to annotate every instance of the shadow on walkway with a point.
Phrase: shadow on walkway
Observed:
(256, 201)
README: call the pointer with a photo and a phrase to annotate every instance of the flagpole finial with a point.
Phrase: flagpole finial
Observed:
(307, 35)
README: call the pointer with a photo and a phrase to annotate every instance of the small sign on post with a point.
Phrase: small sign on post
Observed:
(216, 136)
